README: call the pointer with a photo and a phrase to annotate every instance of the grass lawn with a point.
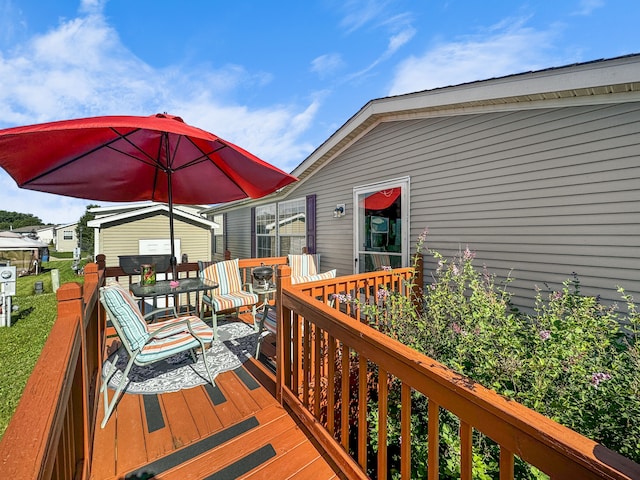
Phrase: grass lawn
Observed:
(21, 344)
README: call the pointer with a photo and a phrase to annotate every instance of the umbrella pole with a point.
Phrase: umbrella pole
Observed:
(173, 261)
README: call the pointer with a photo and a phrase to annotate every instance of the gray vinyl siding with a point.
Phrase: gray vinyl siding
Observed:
(122, 239)
(537, 194)
(239, 233)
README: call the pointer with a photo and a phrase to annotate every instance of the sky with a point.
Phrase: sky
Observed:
(275, 77)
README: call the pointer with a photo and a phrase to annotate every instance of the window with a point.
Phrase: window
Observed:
(281, 228)
(67, 234)
(292, 226)
(218, 235)
(266, 231)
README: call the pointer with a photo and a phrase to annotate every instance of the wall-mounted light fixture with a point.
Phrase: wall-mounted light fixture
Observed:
(339, 211)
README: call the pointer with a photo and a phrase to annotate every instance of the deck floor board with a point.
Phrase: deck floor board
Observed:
(245, 433)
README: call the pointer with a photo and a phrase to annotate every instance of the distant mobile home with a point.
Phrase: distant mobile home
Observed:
(143, 228)
(537, 173)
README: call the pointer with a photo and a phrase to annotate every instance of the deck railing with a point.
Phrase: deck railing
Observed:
(50, 435)
(327, 357)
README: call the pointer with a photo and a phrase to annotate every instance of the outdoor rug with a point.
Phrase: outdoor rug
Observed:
(236, 343)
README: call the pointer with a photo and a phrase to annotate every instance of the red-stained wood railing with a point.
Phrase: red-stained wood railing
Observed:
(326, 355)
(50, 434)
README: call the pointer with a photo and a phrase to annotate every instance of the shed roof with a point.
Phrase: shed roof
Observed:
(150, 209)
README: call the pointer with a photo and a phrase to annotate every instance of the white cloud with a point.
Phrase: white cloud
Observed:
(326, 65)
(81, 68)
(586, 7)
(360, 12)
(397, 41)
(507, 48)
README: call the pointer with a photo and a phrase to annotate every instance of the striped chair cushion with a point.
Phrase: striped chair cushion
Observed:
(226, 274)
(313, 278)
(174, 339)
(230, 300)
(126, 312)
(302, 265)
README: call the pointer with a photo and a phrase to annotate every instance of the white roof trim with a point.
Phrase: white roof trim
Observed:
(58, 227)
(613, 80)
(99, 222)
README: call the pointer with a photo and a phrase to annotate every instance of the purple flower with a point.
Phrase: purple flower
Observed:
(455, 269)
(386, 268)
(556, 295)
(341, 297)
(544, 335)
(599, 377)
(468, 254)
(456, 328)
(382, 294)
(423, 236)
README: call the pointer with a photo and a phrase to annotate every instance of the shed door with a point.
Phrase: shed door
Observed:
(381, 225)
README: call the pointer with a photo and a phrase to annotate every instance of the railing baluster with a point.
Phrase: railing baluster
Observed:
(346, 397)
(317, 363)
(363, 430)
(331, 388)
(383, 400)
(405, 432)
(466, 454)
(434, 440)
(506, 464)
(306, 360)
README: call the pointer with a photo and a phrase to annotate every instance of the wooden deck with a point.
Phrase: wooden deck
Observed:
(238, 430)
(233, 430)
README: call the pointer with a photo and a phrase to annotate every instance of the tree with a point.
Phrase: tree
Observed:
(85, 233)
(9, 220)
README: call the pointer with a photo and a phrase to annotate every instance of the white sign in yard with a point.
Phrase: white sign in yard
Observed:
(161, 246)
(7, 290)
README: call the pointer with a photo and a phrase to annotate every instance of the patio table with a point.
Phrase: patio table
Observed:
(163, 288)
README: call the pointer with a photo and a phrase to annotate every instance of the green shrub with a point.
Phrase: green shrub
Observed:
(573, 359)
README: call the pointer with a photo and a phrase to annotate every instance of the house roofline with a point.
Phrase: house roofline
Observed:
(611, 80)
(99, 222)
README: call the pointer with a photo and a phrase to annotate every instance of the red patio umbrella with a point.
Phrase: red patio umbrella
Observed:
(132, 158)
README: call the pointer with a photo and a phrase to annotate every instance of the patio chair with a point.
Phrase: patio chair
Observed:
(147, 343)
(230, 294)
(304, 269)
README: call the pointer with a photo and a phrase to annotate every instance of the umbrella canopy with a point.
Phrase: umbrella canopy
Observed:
(15, 241)
(131, 158)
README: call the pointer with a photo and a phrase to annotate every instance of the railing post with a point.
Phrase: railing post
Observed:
(101, 261)
(90, 275)
(71, 307)
(70, 302)
(283, 280)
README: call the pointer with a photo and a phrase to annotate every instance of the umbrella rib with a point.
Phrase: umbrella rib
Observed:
(202, 158)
